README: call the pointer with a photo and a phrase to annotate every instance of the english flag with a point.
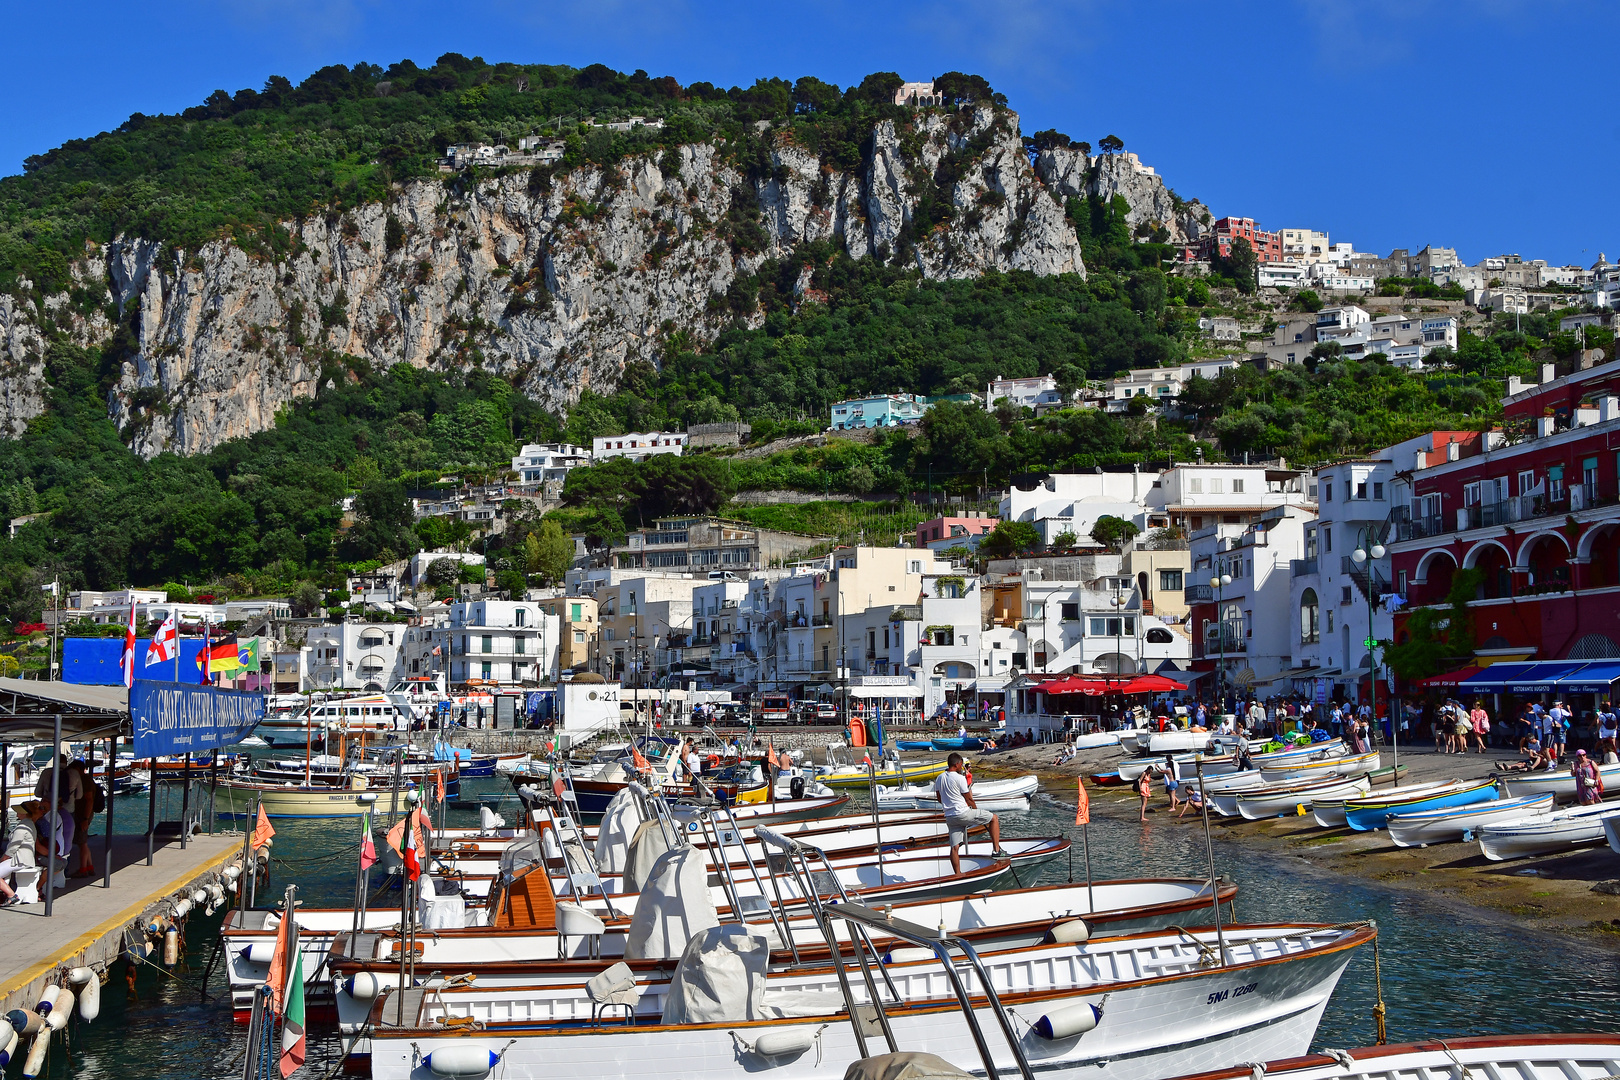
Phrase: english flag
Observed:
(165, 643)
(1082, 810)
(129, 648)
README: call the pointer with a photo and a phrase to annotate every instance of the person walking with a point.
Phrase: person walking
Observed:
(1144, 791)
(1554, 729)
(84, 810)
(1171, 784)
(1588, 781)
(962, 813)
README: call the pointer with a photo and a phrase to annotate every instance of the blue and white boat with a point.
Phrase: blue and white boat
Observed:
(970, 742)
(1369, 814)
(1423, 827)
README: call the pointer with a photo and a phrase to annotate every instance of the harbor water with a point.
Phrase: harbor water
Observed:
(1446, 971)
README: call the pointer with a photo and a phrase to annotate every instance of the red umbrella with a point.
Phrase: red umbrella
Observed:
(1151, 684)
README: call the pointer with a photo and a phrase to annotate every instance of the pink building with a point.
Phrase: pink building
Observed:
(946, 528)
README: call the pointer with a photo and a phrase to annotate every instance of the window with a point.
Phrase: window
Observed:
(487, 644)
(579, 637)
(1099, 627)
(1555, 483)
(1327, 491)
(1170, 580)
(1071, 612)
(1330, 620)
(574, 612)
(1471, 494)
(1378, 490)
(1216, 485)
(1037, 609)
(1158, 635)
(1361, 490)
(610, 633)
(487, 669)
(518, 646)
(1400, 582)
(1195, 486)
(1310, 631)
(1237, 487)
(914, 566)
(1345, 599)
(519, 616)
(1527, 481)
(1327, 540)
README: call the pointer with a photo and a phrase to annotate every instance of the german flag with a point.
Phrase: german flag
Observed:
(222, 656)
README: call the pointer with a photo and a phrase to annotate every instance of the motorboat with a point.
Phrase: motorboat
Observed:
(998, 795)
(1546, 834)
(1424, 827)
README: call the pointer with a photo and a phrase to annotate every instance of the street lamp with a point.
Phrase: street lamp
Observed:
(1219, 584)
(1366, 546)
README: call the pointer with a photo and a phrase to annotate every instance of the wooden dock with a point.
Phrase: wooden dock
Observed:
(86, 928)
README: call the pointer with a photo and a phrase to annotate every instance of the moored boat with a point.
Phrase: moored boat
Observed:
(1330, 813)
(1423, 827)
(1010, 794)
(1270, 800)
(1561, 782)
(1364, 815)
(1546, 834)
(1523, 1057)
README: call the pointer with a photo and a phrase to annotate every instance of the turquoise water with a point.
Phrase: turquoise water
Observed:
(1445, 973)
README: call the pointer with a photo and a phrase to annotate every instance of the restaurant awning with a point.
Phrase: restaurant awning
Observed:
(1301, 673)
(1182, 675)
(1544, 677)
(1451, 678)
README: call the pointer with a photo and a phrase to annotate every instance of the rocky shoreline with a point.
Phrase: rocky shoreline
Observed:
(1551, 894)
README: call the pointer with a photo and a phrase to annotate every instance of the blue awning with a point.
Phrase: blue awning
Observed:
(1543, 677)
(1594, 678)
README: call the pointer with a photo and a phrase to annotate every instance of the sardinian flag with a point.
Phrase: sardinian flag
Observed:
(165, 643)
(129, 647)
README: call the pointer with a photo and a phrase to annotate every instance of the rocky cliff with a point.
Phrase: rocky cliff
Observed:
(1155, 211)
(553, 280)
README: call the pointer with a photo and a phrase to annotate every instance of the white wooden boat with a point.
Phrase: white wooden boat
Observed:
(1270, 800)
(1271, 996)
(1521, 1057)
(531, 956)
(1236, 781)
(1455, 823)
(1330, 813)
(238, 798)
(248, 937)
(1560, 782)
(1304, 770)
(1611, 831)
(1010, 794)
(1097, 739)
(1545, 834)
(1164, 742)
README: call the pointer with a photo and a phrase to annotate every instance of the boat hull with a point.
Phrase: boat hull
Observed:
(1438, 826)
(1368, 816)
(1563, 830)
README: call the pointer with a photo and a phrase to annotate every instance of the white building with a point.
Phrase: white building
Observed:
(1302, 246)
(540, 462)
(1161, 385)
(1072, 502)
(505, 642)
(353, 655)
(1197, 496)
(423, 559)
(1038, 393)
(1328, 277)
(638, 445)
(1283, 275)
(1236, 626)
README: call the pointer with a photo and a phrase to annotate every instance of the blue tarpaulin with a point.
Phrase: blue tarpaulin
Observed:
(99, 661)
(178, 718)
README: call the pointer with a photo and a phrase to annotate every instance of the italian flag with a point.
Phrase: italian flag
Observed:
(292, 1020)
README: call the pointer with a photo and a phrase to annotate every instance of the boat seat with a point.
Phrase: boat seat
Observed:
(575, 921)
(614, 989)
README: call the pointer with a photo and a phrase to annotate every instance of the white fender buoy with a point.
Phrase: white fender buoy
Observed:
(259, 952)
(171, 947)
(215, 893)
(906, 955)
(231, 873)
(8, 1044)
(198, 897)
(157, 926)
(25, 1024)
(366, 798)
(47, 1000)
(80, 975)
(182, 908)
(783, 1043)
(90, 996)
(362, 987)
(61, 1010)
(469, 1062)
(1064, 1023)
(1070, 933)
(34, 1063)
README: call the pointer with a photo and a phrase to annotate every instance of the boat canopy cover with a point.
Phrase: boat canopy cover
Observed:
(675, 908)
(619, 823)
(905, 1065)
(647, 845)
(720, 979)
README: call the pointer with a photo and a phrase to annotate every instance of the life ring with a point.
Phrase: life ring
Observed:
(714, 761)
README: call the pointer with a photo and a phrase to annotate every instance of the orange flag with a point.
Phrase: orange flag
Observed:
(770, 754)
(262, 831)
(281, 963)
(396, 837)
(438, 776)
(638, 760)
(1082, 809)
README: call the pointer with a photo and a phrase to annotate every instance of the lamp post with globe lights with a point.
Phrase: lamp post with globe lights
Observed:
(1367, 548)
(1219, 583)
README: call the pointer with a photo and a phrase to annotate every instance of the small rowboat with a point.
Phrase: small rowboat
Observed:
(855, 777)
(1011, 794)
(1561, 783)
(1304, 770)
(1108, 779)
(913, 744)
(1329, 813)
(1369, 814)
(1425, 827)
(1270, 801)
(1523, 1057)
(1546, 834)
(970, 742)
(1095, 740)
(1392, 774)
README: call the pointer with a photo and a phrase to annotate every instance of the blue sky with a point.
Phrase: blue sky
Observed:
(1487, 125)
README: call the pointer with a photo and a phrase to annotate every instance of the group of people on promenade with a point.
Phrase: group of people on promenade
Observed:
(27, 830)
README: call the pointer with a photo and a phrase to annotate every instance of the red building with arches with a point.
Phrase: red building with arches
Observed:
(1539, 516)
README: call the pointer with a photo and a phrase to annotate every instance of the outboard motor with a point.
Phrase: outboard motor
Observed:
(796, 787)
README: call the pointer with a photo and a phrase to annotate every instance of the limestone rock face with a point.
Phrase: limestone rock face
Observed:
(554, 281)
(1071, 173)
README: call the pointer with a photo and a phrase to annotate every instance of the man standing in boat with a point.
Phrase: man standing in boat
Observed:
(962, 814)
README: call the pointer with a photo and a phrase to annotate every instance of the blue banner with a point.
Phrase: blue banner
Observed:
(99, 661)
(178, 718)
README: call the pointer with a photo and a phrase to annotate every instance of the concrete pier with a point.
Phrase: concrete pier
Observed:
(86, 928)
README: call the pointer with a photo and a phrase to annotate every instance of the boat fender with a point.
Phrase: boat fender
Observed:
(215, 892)
(199, 897)
(25, 1024)
(231, 873)
(80, 975)
(1065, 1023)
(8, 1044)
(362, 987)
(60, 1011)
(259, 952)
(182, 908)
(461, 1061)
(784, 1043)
(366, 798)
(171, 947)
(905, 955)
(34, 1063)
(47, 1000)
(90, 996)
(157, 926)
(1072, 932)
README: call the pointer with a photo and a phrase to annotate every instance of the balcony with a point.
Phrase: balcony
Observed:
(1302, 567)
(821, 620)
(1198, 594)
